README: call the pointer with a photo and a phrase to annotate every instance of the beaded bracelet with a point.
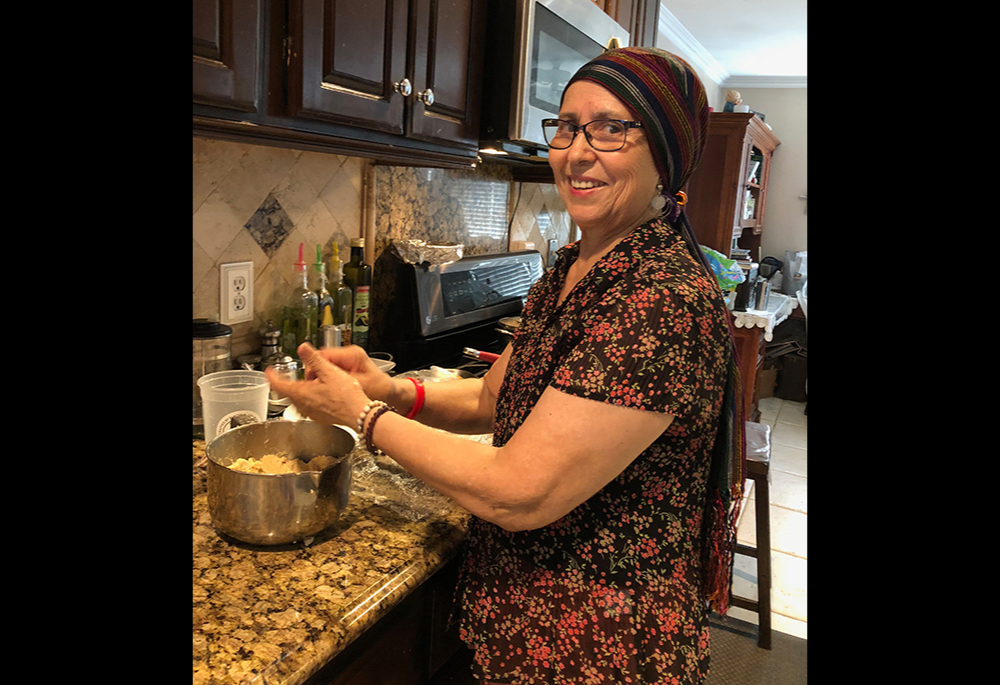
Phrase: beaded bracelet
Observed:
(364, 413)
(418, 404)
(371, 428)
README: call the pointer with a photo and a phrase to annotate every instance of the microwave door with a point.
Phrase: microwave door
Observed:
(556, 48)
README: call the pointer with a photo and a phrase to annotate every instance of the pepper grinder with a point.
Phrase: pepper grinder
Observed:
(271, 346)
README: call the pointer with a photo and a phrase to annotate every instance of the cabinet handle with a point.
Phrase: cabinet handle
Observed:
(403, 87)
(426, 96)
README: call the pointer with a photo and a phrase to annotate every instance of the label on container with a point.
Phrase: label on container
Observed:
(360, 320)
(235, 419)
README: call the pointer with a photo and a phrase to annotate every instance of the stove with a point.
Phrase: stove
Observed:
(427, 316)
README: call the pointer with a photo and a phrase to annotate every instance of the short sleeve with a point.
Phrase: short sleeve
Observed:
(654, 345)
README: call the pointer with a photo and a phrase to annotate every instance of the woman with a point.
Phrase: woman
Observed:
(603, 512)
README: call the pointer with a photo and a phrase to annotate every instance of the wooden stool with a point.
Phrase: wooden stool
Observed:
(758, 441)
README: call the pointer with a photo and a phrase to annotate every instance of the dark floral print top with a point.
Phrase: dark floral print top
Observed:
(609, 593)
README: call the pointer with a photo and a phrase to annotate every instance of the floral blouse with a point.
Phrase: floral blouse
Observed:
(609, 593)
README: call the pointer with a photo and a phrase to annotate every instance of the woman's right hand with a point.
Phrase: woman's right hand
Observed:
(377, 384)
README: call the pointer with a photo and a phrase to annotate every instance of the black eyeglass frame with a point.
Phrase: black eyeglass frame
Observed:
(586, 134)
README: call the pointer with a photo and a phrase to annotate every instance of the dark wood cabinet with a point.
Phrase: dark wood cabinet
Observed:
(447, 71)
(398, 81)
(727, 194)
(409, 645)
(343, 58)
(348, 64)
(226, 68)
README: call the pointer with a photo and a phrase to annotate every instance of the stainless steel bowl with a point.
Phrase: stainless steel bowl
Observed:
(276, 509)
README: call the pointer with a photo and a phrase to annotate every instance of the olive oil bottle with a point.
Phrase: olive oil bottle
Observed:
(358, 277)
(299, 317)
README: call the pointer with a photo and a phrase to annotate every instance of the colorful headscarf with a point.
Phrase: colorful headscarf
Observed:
(667, 97)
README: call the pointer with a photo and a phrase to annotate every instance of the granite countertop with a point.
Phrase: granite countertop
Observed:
(276, 615)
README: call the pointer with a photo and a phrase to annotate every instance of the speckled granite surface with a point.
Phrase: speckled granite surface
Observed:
(276, 615)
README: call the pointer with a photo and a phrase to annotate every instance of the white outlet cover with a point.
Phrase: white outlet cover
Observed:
(236, 292)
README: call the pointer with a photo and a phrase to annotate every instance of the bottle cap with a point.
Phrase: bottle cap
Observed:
(301, 264)
(318, 266)
(357, 242)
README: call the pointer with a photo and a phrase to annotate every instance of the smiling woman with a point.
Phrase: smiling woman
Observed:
(627, 313)
(603, 519)
(607, 187)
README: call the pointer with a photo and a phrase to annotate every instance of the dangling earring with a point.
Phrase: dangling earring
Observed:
(658, 202)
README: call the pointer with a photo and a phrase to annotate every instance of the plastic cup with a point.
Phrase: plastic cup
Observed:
(232, 398)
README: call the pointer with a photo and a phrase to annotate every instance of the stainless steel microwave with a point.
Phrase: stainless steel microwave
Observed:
(533, 48)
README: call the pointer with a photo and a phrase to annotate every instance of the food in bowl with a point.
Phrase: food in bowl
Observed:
(276, 463)
(263, 509)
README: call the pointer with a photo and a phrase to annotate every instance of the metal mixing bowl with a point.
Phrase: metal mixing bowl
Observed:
(276, 509)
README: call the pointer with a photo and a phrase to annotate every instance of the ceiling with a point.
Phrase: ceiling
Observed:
(745, 43)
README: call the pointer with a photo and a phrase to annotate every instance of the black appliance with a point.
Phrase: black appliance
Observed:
(427, 315)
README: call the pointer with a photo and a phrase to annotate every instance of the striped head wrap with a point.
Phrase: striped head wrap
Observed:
(668, 99)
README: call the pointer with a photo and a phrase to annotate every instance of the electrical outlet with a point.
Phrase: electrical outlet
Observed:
(236, 292)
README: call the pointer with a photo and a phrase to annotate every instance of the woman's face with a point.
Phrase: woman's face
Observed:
(603, 191)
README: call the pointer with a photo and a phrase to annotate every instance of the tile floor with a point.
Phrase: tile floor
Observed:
(788, 423)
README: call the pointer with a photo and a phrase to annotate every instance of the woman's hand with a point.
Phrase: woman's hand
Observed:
(330, 394)
(377, 384)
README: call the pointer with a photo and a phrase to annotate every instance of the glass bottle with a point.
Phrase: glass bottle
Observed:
(358, 276)
(320, 285)
(300, 314)
(343, 298)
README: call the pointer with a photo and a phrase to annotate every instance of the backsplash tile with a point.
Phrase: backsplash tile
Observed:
(257, 203)
(443, 206)
(269, 225)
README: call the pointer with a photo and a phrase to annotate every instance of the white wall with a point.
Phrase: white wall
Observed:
(784, 109)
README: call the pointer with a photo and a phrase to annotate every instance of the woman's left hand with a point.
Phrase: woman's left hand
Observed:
(330, 396)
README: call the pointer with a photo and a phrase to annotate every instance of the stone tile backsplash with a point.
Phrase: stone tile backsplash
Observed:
(257, 203)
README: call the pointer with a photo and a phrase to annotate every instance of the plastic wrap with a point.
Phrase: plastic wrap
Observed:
(382, 481)
(758, 441)
(421, 252)
(727, 272)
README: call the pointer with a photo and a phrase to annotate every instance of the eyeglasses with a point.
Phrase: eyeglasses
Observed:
(604, 135)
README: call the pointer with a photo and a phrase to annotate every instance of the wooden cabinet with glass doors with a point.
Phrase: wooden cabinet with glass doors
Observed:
(727, 196)
(727, 193)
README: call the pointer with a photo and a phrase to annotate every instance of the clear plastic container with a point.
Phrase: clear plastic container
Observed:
(211, 351)
(231, 399)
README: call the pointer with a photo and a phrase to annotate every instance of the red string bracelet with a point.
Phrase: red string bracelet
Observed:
(419, 403)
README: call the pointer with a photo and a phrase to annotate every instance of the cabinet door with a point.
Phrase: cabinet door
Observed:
(765, 172)
(447, 71)
(343, 58)
(745, 216)
(226, 57)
